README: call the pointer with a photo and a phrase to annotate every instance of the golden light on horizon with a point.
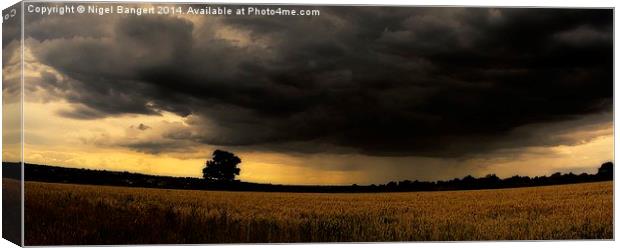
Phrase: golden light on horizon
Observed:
(54, 140)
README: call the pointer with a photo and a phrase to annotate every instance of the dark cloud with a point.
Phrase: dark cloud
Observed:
(374, 80)
(157, 147)
(142, 127)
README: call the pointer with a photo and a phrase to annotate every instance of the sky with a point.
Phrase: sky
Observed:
(356, 95)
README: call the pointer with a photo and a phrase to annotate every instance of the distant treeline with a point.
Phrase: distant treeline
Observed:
(44, 173)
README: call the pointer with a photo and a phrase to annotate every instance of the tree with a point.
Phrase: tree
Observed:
(606, 170)
(221, 167)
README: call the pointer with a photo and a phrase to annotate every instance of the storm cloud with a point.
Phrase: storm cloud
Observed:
(386, 81)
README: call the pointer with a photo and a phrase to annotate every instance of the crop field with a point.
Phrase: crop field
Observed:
(11, 210)
(80, 214)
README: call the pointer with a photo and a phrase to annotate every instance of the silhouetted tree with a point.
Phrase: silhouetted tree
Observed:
(221, 167)
(606, 170)
(392, 185)
(405, 183)
(489, 181)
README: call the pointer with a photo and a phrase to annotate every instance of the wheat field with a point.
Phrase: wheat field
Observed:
(99, 215)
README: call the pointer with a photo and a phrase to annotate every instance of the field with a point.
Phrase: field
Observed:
(79, 214)
(11, 210)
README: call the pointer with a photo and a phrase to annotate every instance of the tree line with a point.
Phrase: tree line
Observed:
(220, 171)
(223, 167)
(491, 181)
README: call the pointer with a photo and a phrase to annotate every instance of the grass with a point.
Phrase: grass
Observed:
(97, 215)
